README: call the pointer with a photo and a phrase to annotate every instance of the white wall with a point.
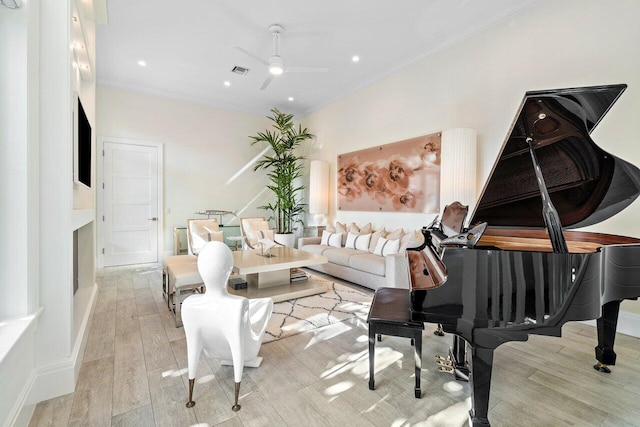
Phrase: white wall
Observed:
(204, 147)
(480, 82)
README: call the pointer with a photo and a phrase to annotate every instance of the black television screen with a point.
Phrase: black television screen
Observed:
(83, 147)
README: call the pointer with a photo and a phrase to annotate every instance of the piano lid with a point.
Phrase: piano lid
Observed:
(586, 184)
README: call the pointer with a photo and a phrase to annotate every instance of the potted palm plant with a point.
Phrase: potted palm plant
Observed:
(284, 165)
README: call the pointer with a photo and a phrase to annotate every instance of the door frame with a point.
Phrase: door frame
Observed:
(100, 193)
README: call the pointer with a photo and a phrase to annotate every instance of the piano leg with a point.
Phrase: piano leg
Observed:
(480, 382)
(372, 352)
(607, 326)
(458, 356)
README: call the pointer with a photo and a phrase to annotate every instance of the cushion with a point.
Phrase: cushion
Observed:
(358, 241)
(252, 228)
(369, 263)
(201, 234)
(268, 234)
(374, 239)
(341, 228)
(181, 275)
(331, 239)
(316, 249)
(353, 228)
(395, 234)
(386, 247)
(412, 239)
(339, 256)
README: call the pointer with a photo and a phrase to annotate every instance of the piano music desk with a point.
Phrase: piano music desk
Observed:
(390, 315)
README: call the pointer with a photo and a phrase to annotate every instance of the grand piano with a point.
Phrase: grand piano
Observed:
(519, 270)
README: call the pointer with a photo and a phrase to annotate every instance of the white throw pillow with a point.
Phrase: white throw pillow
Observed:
(266, 234)
(358, 241)
(331, 239)
(386, 247)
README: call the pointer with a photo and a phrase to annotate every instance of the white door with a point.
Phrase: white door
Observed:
(130, 207)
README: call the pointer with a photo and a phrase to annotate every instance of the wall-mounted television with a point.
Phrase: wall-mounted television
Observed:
(82, 146)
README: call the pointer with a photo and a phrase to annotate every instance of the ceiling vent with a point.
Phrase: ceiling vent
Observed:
(239, 70)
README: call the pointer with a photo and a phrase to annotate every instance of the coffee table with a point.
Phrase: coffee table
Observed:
(270, 276)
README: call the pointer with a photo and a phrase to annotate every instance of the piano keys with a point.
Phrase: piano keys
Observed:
(527, 272)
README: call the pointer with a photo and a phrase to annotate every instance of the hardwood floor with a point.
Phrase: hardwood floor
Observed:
(134, 374)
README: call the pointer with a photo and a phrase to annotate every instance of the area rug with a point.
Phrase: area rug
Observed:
(338, 304)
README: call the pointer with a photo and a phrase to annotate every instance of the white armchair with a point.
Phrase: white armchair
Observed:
(253, 230)
(226, 326)
(182, 277)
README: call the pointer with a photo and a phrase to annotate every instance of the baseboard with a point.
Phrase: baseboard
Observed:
(22, 411)
(628, 323)
(59, 378)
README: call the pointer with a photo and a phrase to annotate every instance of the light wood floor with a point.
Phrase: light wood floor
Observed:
(134, 374)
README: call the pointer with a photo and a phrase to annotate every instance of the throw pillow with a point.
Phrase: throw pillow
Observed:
(386, 247)
(412, 239)
(395, 234)
(331, 239)
(374, 239)
(342, 229)
(353, 228)
(358, 241)
(268, 234)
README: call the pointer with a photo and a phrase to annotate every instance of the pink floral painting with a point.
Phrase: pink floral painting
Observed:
(403, 176)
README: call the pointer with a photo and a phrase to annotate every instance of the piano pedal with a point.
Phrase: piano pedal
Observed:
(601, 367)
(446, 369)
(445, 364)
(442, 359)
(439, 332)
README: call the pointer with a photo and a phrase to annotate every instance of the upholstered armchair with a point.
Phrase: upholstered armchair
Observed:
(182, 276)
(226, 326)
(253, 230)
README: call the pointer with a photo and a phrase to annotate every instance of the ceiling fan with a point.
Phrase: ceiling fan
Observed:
(274, 63)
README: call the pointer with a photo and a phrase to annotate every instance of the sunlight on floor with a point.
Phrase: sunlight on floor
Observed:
(454, 388)
(205, 379)
(327, 332)
(174, 373)
(455, 415)
(338, 388)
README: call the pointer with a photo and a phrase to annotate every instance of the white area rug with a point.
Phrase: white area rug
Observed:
(304, 314)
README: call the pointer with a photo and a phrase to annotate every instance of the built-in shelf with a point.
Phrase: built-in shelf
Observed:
(81, 217)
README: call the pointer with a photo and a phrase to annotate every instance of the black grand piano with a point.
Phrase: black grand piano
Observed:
(519, 271)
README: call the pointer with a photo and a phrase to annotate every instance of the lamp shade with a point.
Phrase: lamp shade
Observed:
(319, 187)
(458, 167)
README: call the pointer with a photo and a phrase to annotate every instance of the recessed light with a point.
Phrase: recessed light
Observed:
(227, 84)
(290, 98)
(355, 58)
(142, 63)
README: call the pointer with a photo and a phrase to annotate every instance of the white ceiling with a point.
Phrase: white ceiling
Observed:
(189, 45)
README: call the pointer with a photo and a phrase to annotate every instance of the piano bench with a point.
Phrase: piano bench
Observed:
(390, 314)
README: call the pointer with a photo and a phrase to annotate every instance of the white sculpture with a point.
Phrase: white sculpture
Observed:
(221, 324)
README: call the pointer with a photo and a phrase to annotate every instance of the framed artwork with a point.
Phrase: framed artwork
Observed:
(402, 176)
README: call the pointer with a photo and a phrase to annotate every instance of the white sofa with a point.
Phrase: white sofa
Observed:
(364, 267)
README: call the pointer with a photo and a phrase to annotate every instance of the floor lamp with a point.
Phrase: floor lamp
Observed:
(319, 190)
(458, 167)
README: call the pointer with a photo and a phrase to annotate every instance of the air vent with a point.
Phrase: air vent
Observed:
(239, 70)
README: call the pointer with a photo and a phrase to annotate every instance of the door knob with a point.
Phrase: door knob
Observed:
(153, 219)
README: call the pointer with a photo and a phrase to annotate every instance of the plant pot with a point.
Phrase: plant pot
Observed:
(288, 239)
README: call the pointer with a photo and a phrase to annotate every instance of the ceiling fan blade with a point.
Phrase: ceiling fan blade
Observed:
(256, 57)
(266, 82)
(306, 70)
